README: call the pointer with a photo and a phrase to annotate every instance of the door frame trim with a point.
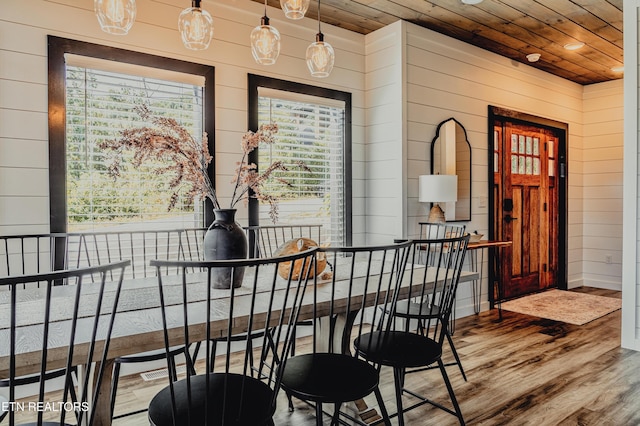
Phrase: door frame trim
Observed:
(503, 114)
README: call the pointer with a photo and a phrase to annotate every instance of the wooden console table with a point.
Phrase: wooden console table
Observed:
(473, 250)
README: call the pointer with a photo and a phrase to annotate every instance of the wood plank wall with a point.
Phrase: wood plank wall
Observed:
(385, 135)
(602, 180)
(630, 243)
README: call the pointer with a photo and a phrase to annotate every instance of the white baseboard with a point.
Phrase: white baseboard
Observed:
(575, 283)
(468, 309)
(608, 285)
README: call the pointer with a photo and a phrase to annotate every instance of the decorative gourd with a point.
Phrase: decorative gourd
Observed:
(294, 246)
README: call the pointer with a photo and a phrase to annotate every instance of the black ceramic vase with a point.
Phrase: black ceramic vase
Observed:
(225, 240)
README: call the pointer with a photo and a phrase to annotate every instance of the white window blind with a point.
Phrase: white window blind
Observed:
(313, 131)
(99, 104)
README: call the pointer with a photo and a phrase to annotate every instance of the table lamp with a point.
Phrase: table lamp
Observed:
(437, 189)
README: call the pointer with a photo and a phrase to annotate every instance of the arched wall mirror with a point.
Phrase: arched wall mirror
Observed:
(451, 155)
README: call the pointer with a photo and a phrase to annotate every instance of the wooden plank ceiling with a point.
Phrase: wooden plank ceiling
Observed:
(511, 28)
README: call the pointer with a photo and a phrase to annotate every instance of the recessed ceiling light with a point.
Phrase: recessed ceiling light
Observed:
(574, 46)
(533, 57)
(617, 69)
(471, 1)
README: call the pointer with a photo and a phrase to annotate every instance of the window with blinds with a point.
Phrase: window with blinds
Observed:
(311, 130)
(99, 103)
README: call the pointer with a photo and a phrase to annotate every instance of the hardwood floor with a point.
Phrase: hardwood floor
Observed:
(521, 371)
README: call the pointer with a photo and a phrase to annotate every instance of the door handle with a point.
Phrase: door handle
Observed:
(509, 219)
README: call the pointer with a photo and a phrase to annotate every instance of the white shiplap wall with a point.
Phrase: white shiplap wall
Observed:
(603, 159)
(385, 203)
(24, 26)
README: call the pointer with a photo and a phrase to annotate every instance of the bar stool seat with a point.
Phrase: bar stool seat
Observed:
(398, 349)
(241, 400)
(324, 377)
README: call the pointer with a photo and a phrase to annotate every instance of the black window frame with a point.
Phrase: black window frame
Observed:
(57, 48)
(254, 83)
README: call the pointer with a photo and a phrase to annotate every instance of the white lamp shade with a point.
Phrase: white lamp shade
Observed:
(437, 188)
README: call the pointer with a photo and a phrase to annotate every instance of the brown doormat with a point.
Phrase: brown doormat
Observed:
(566, 306)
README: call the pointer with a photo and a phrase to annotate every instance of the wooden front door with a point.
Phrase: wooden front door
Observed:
(526, 206)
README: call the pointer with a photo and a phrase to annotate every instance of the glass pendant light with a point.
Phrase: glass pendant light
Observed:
(294, 9)
(196, 27)
(115, 16)
(265, 41)
(320, 55)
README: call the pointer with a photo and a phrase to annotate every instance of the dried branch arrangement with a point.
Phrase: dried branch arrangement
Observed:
(187, 159)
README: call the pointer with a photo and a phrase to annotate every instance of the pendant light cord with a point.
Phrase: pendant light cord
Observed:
(319, 31)
(265, 18)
